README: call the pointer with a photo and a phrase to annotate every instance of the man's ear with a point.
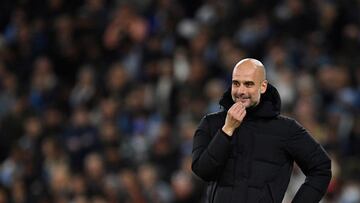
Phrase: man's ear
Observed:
(263, 86)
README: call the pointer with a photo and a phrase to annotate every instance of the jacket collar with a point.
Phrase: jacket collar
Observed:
(269, 106)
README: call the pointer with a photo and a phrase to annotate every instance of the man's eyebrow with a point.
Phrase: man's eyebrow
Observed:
(244, 82)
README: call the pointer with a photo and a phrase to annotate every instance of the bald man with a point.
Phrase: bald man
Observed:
(246, 151)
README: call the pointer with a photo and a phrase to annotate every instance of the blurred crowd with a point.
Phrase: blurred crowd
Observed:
(99, 99)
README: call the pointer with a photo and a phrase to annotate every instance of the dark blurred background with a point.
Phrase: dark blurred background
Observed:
(99, 99)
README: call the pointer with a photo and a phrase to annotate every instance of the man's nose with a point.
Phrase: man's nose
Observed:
(241, 89)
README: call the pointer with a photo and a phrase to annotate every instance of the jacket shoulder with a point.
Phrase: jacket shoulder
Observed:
(215, 116)
(286, 120)
(287, 123)
(215, 119)
(292, 126)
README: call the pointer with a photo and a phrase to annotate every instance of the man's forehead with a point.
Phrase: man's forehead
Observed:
(243, 71)
(243, 78)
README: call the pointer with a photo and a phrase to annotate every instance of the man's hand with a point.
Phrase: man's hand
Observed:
(234, 118)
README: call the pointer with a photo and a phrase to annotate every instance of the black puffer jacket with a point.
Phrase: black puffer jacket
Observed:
(255, 164)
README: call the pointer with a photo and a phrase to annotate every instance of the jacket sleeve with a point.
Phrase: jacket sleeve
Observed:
(314, 163)
(210, 152)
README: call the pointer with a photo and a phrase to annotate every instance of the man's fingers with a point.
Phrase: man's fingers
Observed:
(243, 114)
(235, 109)
(240, 115)
(237, 114)
(239, 108)
(237, 105)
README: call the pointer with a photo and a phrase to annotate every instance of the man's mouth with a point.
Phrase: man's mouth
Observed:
(242, 99)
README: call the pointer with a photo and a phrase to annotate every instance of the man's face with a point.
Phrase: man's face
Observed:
(248, 84)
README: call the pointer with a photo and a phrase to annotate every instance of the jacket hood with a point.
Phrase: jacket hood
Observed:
(269, 106)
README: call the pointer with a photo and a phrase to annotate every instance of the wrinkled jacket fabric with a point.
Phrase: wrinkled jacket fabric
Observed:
(255, 164)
